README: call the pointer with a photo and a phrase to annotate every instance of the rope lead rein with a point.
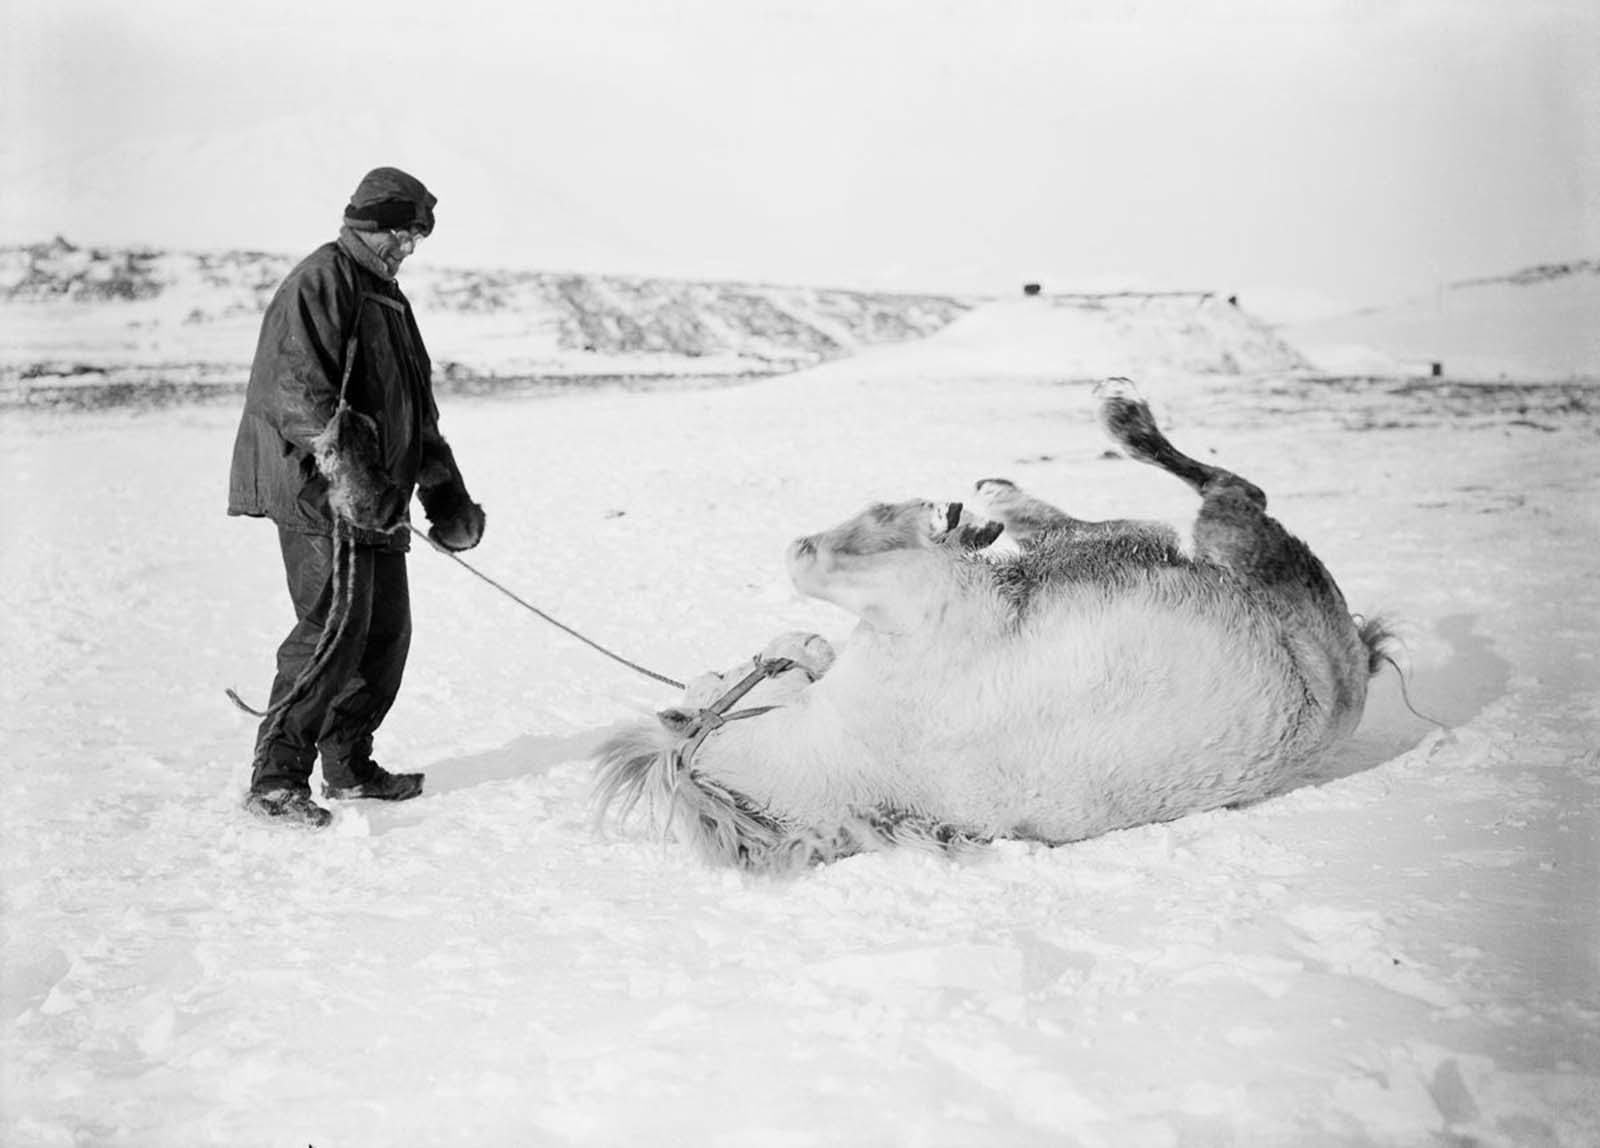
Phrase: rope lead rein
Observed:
(473, 570)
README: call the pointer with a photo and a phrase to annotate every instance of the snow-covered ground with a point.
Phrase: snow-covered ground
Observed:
(1406, 955)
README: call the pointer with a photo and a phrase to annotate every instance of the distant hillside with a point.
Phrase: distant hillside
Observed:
(1066, 337)
(476, 321)
(1539, 323)
(92, 320)
(1542, 273)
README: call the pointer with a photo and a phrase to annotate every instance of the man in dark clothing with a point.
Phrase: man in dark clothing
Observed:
(339, 428)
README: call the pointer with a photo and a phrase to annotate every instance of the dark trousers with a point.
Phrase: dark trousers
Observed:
(352, 694)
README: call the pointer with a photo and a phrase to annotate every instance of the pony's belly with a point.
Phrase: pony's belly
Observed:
(1067, 775)
(1113, 722)
(1102, 782)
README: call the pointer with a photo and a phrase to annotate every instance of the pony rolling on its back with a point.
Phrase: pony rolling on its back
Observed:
(1097, 679)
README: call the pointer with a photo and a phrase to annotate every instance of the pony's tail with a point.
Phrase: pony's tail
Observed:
(1379, 639)
(1378, 636)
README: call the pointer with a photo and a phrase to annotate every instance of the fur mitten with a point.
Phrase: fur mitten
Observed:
(457, 520)
(350, 457)
(462, 530)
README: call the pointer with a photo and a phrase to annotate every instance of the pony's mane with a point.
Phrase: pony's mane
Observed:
(643, 765)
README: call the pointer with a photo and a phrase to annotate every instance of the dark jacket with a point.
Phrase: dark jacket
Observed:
(294, 391)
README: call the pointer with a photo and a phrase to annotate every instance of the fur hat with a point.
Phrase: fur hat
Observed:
(387, 199)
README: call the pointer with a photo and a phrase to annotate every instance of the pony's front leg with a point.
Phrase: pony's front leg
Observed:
(812, 654)
(888, 565)
(805, 657)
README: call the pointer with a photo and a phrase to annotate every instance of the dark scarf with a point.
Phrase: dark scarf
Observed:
(356, 247)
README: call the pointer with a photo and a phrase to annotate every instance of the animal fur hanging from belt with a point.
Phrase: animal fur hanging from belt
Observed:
(349, 455)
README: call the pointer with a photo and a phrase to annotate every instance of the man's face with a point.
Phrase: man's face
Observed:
(394, 247)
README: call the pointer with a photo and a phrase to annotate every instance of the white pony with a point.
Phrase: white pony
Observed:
(1094, 680)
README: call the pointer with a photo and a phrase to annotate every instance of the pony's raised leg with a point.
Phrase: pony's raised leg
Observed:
(1025, 517)
(886, 564)
(1029, 521)
(1234, 531)
(1233, 528)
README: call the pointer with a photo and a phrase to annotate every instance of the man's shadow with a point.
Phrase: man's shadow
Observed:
(528, 756)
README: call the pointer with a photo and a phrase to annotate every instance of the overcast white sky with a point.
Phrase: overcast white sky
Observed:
(1360, 150)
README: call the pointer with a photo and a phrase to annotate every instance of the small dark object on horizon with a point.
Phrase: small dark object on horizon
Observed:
(1030, 288)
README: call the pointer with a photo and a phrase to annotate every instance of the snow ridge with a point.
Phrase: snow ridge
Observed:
(1540, 273)
(774, 327)
(92, 325)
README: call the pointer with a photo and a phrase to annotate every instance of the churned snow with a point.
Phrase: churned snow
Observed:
(1405, 955)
